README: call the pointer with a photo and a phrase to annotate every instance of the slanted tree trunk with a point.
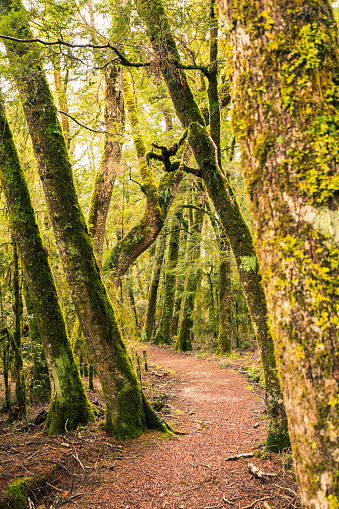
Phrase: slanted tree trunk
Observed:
(110, 161)
(183, 342)
(68, 399)
(153, 291)
(61, 87)
(158, 200)
(285, 86)
(127, 411)
(164, 332)
(225, 203)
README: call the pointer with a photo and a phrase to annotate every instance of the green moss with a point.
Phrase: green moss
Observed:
(17, 493)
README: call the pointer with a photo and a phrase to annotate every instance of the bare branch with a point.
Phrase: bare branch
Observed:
(86, 127)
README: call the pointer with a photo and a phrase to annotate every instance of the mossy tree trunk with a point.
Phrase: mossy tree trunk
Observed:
(183, 342)
(285, 78)
(225, 203)
(153, 290)
(225, 297)
(20, 382)
(40, 384)
(60, 84)
(110, 160)
(68, 400)
(164, 332)
(6, 340)
(158, 200)
(127, 411)
(180, 286)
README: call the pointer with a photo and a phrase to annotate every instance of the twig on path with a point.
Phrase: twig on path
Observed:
(287, 489)
(75, 456)
(267, 506)
(255, 502)
(228, 501)
(260, 474)
(237, 456)
(149, 475)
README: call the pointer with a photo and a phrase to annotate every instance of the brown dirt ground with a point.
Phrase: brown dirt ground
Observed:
(216, 409)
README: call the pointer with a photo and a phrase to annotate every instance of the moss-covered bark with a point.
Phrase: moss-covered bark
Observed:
(68, 400)
(6, 340)
(225, 203)
(225, 308)
(183, 342)
(40, 383)
(285, 67)
(164, 332)
(153, 291)
(158, 201)
(125, 408)
(20, 382)
(110, 160)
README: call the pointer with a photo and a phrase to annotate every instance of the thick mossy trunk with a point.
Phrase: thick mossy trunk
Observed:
(285, 86)
(125, 415)
(225, 296)
(153, 291)
(110, 160)
(20, 382)
(40, 384)
(68, 400)
(225, 203)
(164, 332)
(183, 342)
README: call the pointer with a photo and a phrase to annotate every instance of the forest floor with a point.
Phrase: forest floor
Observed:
(220, 415)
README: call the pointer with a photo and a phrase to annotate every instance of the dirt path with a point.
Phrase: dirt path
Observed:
(217, 412)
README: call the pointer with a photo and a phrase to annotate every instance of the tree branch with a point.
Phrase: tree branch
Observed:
(88, 128)
(122, 60)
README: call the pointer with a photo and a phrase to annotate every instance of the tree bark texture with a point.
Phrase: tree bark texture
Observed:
(285, 68)
(225, 203)
(69, 402)
(183, 342)
(110, 161)
(153, 290)
(164, 332)
(125, 404)
(225, 296)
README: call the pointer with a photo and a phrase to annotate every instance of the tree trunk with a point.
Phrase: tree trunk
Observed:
(127, 412)
(20, 382)
(184, 342)
(225, 203)
(225, 296)
(110, 161)
(68, 400)
(5, 339)
(180, 286)
(285, 79)
(164, 332)
(40, 385)
(153, 291)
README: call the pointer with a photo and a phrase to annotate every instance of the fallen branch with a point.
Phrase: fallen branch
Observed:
(228, 501)
(237, 456)
(260, 474)
(255, 502)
